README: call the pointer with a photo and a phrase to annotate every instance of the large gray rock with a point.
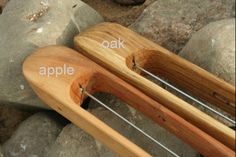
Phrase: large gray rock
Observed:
(26, 25)
(34, 136)
(171, 23)
(73, 142)
(8, 122)
(213, 49)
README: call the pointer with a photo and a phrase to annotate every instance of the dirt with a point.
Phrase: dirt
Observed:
(113, 12)
(2, 4)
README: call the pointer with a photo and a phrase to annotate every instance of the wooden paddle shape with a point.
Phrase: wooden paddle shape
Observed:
(98, 43)
(62, 93)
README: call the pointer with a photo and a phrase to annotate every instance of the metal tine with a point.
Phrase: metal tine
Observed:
(128, 122)
(183, 93)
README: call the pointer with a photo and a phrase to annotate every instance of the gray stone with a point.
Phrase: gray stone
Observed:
(73, 142)
(1, 155)
(213, 49)
(9, 123)
(171, 23)
(26, 25)
(34, 136)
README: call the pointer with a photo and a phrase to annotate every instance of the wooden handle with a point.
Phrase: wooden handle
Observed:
(157, 59)
(62, 94)
(187, 76)
(160, 61)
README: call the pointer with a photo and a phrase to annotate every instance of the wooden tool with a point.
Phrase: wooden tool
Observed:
(137, 53)
(65, 92)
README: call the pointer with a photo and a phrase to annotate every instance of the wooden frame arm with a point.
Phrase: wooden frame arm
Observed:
(62, 93)
(164, 63)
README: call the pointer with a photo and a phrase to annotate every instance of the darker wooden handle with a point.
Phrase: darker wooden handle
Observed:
(188, 76)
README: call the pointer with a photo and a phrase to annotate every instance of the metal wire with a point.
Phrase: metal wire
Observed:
(128, 122)
(185, 94)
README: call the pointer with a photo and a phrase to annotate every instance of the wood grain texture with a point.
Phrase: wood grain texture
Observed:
(160, 61)
(63, 95)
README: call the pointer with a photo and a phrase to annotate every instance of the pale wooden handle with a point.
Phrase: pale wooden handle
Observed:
(94, 126)
(188, 76)
(63, 95)
(119, 61)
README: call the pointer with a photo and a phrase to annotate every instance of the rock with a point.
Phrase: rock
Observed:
(73, 142)
(9, 123)
(111, 12)
(213, 49)
(26, 25)
(171, 23)
(1, 155)
(129, 2)
(2, 4)
(34, 136)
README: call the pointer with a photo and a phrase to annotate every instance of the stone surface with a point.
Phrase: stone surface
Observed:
(9, 123)
(129, 2)
(171, 23)
(213, 49)
(73, 142)
(34, 136)
(55, 22)
(113, 12)
(1, 155)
